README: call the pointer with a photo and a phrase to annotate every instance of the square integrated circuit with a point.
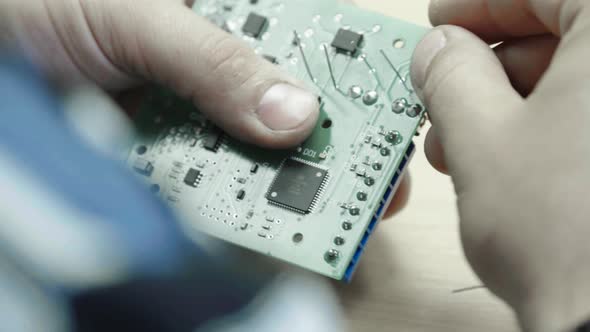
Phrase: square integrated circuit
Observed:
(347, 41)
(297, 185)
(255, 25)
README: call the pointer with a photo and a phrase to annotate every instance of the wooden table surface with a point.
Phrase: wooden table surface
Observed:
(414, 261)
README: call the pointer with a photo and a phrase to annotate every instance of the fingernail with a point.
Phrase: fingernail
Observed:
(286, 107)
(426, 51)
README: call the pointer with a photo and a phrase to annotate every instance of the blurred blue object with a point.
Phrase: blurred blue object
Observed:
(84, 246)
(86, 235)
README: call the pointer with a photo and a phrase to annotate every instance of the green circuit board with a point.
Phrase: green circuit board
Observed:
(317, 204)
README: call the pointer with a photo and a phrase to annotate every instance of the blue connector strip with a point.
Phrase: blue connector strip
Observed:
(378, 214)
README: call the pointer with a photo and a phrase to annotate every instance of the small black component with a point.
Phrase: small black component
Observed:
(193, 177)
(255, 25)
(254, 168)
(253, 2)
(347, 41)
(297, 186)
(271, 59)
(213, 139)
(241, 194)
(143, 167)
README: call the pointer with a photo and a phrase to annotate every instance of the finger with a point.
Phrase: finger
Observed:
(526, 60)
(401, 198)
(461, 81)
(434, 152)
(247, 96)
(497, 20)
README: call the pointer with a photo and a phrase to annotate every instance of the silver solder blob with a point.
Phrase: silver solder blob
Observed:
(346, 225)
(371, 98)
(399, 105)
(331, 255)
(355, 92)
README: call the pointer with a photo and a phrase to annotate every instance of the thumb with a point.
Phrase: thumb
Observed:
(468, 96)
(165, 41)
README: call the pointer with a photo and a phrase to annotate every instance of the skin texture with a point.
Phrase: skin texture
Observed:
(511, 126)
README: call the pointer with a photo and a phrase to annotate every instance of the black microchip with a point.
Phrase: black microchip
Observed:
(193, 177)
(255, 25)
(271, 59)
(241, 194)
(347, 41)
(213, 139)
(297, 186)
(254, 168)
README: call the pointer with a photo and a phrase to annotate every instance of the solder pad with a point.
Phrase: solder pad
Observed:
(316, 205)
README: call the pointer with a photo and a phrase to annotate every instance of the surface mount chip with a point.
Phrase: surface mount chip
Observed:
(347, 41)
(192, 178)
(297, 185)
(213, 139)
(255, 25)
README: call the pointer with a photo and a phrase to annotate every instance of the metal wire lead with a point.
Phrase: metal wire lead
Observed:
(298, 41)
(397, 73)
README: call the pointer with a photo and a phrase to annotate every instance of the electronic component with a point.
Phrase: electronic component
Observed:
(241, 194)
(213, 139)
(254, 168)
(297, 185)
(143, 167)
(271, 59)
(347, 41)
(255, 25)
(192, 177)
(316, 205)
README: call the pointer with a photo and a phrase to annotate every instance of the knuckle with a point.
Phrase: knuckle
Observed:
(227, 57)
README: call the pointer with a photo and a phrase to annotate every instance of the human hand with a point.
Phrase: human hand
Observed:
(118, 44)
(514, 126)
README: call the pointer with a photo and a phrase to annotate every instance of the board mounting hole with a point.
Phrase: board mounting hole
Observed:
(399, 43)
(297, 238)
(141, 150)
(327, 124)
